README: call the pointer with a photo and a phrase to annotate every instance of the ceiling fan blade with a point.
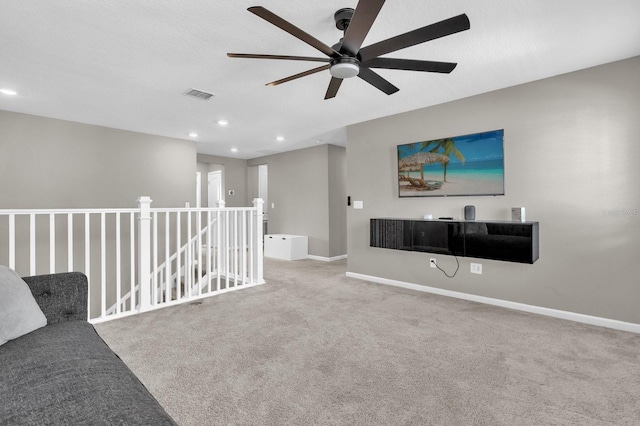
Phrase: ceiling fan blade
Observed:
(302, 74)
(375, 80)
(363, 17)
(293, 30)
(332, 90)
(430, 32)
(285, 57)
(410, 65)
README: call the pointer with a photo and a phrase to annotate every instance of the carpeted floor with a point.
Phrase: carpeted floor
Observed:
(313, 347)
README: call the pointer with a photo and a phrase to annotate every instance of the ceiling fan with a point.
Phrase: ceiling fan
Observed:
(347, 58)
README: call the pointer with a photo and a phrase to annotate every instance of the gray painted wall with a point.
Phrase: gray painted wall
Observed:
(300, 190)
(252, 183)
(48, 163)
(571, 156)
(337, 169)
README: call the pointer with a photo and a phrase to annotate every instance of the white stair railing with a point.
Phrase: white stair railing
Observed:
(167, 281)
(135, 259)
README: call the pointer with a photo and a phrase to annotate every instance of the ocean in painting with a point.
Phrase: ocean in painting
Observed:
(488, 169)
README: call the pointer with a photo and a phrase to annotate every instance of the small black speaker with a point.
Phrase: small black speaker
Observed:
(469, 213)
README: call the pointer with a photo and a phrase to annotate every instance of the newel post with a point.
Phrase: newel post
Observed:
(144, 252)
(258, 203)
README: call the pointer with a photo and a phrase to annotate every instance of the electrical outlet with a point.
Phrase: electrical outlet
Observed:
(432, 262)
(476, 268)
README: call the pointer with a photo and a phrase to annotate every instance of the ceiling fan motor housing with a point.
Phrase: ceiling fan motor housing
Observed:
(345, 66)
(343, 18)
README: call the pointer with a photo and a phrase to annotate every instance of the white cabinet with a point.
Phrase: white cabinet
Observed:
(287, 247)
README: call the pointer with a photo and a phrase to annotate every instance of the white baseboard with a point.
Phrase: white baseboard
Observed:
(571, 316)
(327, 259)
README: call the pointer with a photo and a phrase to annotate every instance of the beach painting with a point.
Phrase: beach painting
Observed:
(460, 165)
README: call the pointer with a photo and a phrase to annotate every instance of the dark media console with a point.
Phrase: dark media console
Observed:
(498, 240)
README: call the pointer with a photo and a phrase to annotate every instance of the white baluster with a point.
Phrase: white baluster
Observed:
(144, 252)
(52, 243)
(188, 264)
(87, 256)
(154, 279)
(252, 247)
(69, 242)
(208, 254)
(258, 204)
(218, 248)
(167, 262)
(243, 252)
(227, 266)
(12, 241)
(32, 244)
(103, 265)
(178, 254)
(132, 264)
(198, 269)
(118, 265)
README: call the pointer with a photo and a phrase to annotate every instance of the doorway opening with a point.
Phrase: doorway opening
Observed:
(214, 188)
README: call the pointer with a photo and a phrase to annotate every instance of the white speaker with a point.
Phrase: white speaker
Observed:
(517, 214)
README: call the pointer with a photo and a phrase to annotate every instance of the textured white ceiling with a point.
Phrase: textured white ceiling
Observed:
(126, 64)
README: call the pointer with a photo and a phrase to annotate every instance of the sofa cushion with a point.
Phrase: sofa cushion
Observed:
(19, 312)
(62, 296)
(64, 373)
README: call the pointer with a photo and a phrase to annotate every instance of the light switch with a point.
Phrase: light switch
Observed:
(358, 205)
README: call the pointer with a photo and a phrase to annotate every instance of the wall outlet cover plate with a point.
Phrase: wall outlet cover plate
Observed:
(476, 268)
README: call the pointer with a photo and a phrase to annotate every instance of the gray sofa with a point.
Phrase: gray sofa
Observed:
(64, 373)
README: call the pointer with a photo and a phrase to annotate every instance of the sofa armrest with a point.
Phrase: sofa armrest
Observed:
(62, 297)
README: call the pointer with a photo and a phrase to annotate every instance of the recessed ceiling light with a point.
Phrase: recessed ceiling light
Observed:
(234, 149)
(223, 122)
(8, 92)
(193, 135)
(280, 138)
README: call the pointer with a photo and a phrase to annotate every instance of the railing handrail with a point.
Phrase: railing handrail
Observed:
(122, 210)
(65, 211)
(199, 209)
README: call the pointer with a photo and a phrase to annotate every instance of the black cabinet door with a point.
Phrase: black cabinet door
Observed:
(513, 242)
(393, 234)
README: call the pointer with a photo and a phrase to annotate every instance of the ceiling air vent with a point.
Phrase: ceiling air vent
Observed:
(205, 96)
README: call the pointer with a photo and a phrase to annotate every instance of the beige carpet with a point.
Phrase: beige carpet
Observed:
(313, 347)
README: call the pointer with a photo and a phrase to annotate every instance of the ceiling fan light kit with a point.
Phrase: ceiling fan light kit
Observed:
(348, 58)
(344, 67)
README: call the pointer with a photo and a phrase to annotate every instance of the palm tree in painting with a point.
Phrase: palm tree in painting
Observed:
(445, 147)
